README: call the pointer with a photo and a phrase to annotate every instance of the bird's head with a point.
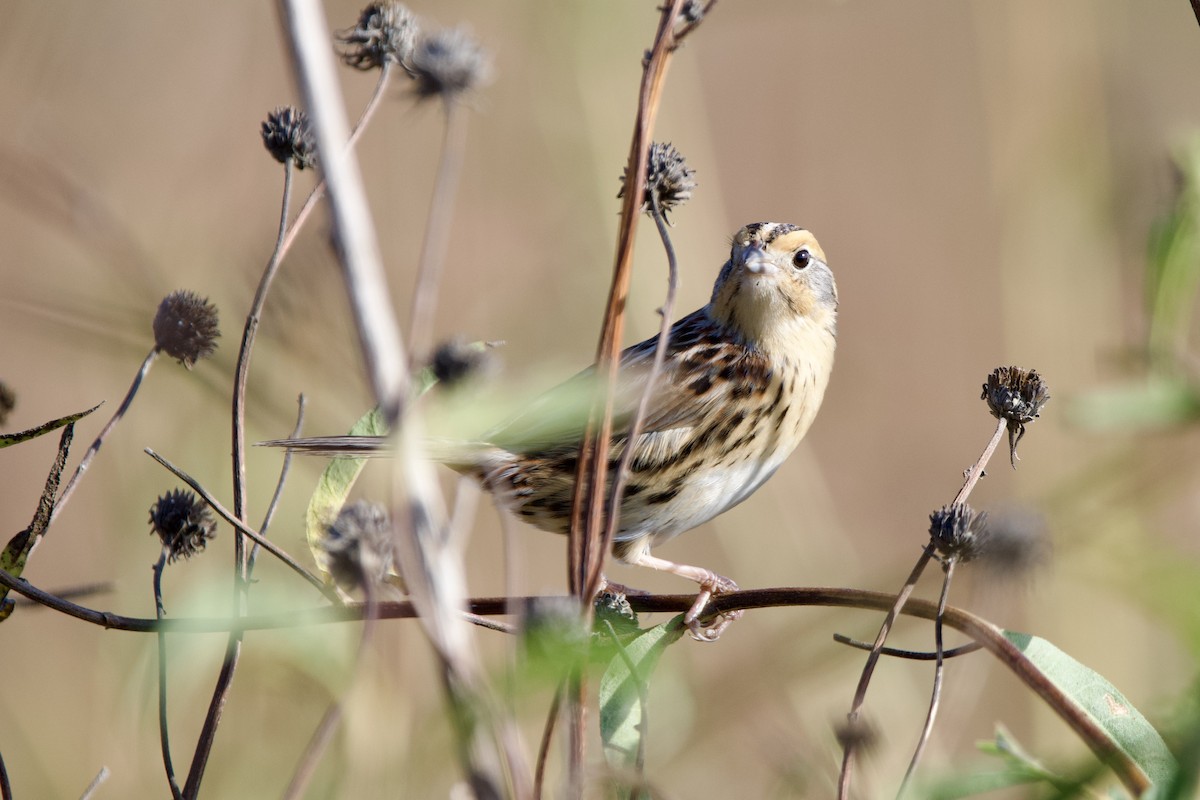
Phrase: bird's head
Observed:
(775, 285)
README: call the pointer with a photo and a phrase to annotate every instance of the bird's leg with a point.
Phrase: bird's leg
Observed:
(710, 584)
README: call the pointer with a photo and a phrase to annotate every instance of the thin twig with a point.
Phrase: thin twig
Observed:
(860, 693)
(437, 229)
(539, 772)
(660, 356)
(100, 778)
(163, 735)
(5, 785)
(587, 546)
(913, 655)
(938, 673)
(86, 461)
(323, 735)
(283, 474)
(242, 374)
(990, 636)
(244, 529)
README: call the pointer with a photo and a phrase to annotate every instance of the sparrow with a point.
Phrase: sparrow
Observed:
(742, 381)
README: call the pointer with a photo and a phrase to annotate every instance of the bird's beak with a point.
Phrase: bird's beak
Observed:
(755, 261)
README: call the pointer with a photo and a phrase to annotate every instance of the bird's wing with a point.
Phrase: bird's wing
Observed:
(698, 379)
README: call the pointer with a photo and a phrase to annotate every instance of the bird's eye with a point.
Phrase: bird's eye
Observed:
(802, 259)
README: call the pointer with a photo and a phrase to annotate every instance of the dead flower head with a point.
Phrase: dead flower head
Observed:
(1015, 395)
(359, 545)
(182, 523)
(287, 134)
(669, 180)
(449, 62)
(959, 532)
(186, 327)
(386, 33)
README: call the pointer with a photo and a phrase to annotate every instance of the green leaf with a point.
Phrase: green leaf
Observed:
(1100, 700)
(16, 553)
(623, 693)
(334, 487)
(9, 439)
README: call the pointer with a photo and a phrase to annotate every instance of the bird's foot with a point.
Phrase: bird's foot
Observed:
(709, 630)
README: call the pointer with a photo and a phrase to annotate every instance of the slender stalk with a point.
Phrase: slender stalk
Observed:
(437, 229)
(86, 461)
(242, 374)
(100, 778)
(163, 735)
(5, 785)
(860, 693)
(539, 773)
(283, 474)
(913, 655)
(938, 673)
(244, 529)
(323, 735)
(660, 355)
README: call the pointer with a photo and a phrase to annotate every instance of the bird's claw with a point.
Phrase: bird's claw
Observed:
(709, 630)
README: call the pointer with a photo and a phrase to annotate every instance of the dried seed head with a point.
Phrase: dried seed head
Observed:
(692, 11)
(186, 327)
(449, 62)
(8, 401)
(182, 523)
(858, 735)
(1015, 395)
(669, 180)
(287, 134)
(386, 33)
(959, 532)
(359, 545)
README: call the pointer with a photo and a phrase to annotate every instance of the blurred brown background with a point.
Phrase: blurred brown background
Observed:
(982, 176)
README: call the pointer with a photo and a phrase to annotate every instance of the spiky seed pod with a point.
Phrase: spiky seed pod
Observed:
(1017, 396)
(287, 134)
(182, 523)
(669, 180)
(386, 33)
(186, 327)
(958, 531)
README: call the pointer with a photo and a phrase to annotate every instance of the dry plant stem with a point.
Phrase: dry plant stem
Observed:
(242, 373)
(976, 470)
(437, 230)
(539, 773)
(990, 636)
(283, 474)
(163, 735)
(1196, 9)
(433, 575)
(323, 735)
(912, 655)
(318, 192)
(307, 36)
(86, 461)
(244, 529)
(660, 354)
(938, 674)
(587, 542)
(100, 778)
(5, 785)
(860, 694)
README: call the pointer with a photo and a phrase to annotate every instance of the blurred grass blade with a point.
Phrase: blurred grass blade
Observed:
(15, 554)
(1100, 700)
(9, 439)
(622, 716)
(333, 487)
(1173, 274)
(1160, 402)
